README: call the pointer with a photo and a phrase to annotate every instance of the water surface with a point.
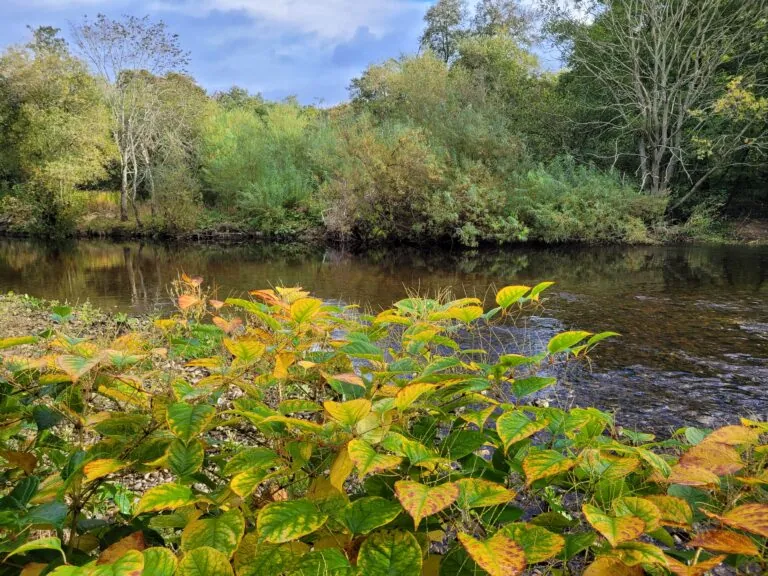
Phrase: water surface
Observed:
(694, 319)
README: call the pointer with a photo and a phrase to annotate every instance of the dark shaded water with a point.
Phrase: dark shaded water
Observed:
(694, 319)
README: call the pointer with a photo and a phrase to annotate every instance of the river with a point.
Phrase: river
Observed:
(693, 319)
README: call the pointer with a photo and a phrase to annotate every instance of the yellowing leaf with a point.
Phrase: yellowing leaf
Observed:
(75, 366)
(674, 511)
(640, 508)
(408, 395)
(615, 530)
(204, 561)
(117, 550)
(725, 541)
(538, 544)
(24, 460)
(222, 532)
(605, 566)
(636, 553)
(305, 309)
(514, 426)
(102, 467)
(33, 569)
(245, 350)
(476, 493)
(186, 421)
(544, 463)
(421, 501)
(228, 326)
(479, 417)
(244, 483)
(390, 553)
(283, 361)
(186, 301)
(367, 460)
(687, 475)
(164, 497)
(510, 295)
(280, 522)
(348, 413)
(159, 562)
(499, 555)
(466, 314)
(749, 517)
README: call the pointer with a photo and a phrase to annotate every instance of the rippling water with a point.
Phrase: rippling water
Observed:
(694, 319)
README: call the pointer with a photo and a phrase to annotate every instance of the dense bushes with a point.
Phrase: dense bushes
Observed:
(280, 435)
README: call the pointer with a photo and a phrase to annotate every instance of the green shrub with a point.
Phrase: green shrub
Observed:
(302, 438)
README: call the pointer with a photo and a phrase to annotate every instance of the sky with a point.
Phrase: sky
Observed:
(279, 48)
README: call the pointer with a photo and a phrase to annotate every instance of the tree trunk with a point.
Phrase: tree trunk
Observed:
(124, 193)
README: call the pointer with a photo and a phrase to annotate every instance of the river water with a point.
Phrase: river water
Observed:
(693, 319)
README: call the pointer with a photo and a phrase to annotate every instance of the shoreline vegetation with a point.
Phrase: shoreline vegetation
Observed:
(469, 142)
(279, 434)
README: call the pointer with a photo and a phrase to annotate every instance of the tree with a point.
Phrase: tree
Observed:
(445, 28)
(125, 54)
(658, 71)
(505, 17)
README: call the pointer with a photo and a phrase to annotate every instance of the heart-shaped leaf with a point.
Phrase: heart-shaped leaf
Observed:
(499, 555)
(390, 553)
(280, 522)
(421, 501)
(186, 421)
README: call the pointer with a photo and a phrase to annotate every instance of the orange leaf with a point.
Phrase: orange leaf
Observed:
(699, 569)
(749, 517)
(499, 555)
(725, 541)
(23, 460)
(187, 301)
(217, 304)
(133, 542)
(228, 326)
(33, 569)
(612, 567)
(420, 500)
(714, 457)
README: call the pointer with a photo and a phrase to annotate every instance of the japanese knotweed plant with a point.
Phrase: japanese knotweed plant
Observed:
(293, 437)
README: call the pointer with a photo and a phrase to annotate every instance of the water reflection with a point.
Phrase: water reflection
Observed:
(694, 318)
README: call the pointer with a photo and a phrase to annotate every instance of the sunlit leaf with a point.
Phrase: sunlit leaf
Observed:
(366, 514)
(714, 457)
(348, 413)
(129, 564)
(164, 497)
(514, 426)
(117, 550)
(367, 460)
(102, 467)
(725, 541)
(639, 508)
(752, 518)
(204, 561)
(248, 458)
(159, 562)
(604, 566)
(476, 493)
(566, 340)
(699, 569)
(408, 395)
(734, 435)
(675, 511)
(510, 295)
(544, 463)
(304, 309)
(76, 366)
(636, 553)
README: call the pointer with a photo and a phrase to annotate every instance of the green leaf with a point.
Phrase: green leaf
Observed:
(368, 460)
(280, 522)
(159, 562)
(51, 543)
(164, 497)
(222, 532)
(538, 289)
(250, 458)
(76, 366)
(577, 543)
(45, 417)
(544, 463)
(390, 553)
(6, 343)
(366, 514)
(185, 459)
(531, 385)
(566, 340)
(187, 421)
(460, 443)
(21, 494)
(254, 558)
(48, 514)
(204, 562)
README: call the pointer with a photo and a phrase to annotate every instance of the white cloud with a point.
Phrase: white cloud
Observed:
(327, 19)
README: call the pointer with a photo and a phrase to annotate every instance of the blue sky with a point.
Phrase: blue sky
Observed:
(307, 48)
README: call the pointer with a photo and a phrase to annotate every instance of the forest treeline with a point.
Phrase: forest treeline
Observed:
(655, 128)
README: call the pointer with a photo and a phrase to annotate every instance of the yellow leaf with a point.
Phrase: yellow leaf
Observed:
(348, 413)
(749, 517)
(421, 501)
(341, 469)
(187, 301)
(725, 541)
(510, 294)
(734, 436)
(24, 460)
(615, 530)
(612, 567)
(283, 361)
(538, 543)
(674, 511)
(408, 395)
(692, 476)
(304, 309)
(640, 508)
(499, 555)
(717, 458)
(102, 467)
